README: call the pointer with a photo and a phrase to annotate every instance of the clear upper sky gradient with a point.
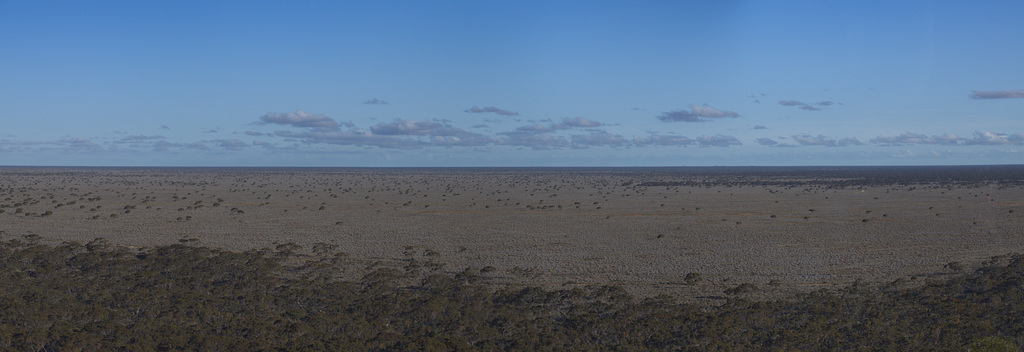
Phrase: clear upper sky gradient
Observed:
(517, 83)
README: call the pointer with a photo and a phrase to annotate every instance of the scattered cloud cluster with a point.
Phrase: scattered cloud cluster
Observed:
(999, 94)
(300, 128)
(697, 113)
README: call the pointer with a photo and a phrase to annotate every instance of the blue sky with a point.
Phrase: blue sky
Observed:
(489, 83)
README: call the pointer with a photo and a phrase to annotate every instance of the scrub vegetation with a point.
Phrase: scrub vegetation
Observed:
(100, 296)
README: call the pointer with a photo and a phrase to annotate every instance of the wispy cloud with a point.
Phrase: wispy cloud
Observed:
(406, 128)
(74, 144)
(201, 145)
(8, 146)
(601, 138)
(161, 145)
(916, 138)
(165, 146)
(718, 140)
(999, 94)
(806, 139)
(495, 110)
(538, 128)
(543, 137)
(138, 139)
(979, 138)
(265, 145)
(566, 123)
(231, 144)
(655, 139)
(434, 128)
(375, 101)
(697, 113)
(579, 122)
(462, 140)
(806, 106)
(78, 143)
(536, 141)
(355, 136)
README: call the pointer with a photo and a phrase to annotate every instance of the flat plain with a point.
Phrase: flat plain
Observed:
(692, 233)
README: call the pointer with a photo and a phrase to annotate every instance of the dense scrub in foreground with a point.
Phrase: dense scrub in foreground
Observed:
(102, 297)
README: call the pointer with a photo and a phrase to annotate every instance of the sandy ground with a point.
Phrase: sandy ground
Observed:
(551, 227)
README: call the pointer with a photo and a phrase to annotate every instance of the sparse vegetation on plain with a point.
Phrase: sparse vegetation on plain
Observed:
(704, 239)
(647, 226)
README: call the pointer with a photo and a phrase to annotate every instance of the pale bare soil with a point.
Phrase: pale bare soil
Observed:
(642, 229)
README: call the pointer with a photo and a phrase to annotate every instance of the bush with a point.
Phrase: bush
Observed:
(992, 344)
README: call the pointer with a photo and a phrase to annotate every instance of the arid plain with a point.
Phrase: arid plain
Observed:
(692, 233)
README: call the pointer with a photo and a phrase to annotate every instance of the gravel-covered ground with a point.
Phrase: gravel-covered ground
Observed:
(783, 230)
